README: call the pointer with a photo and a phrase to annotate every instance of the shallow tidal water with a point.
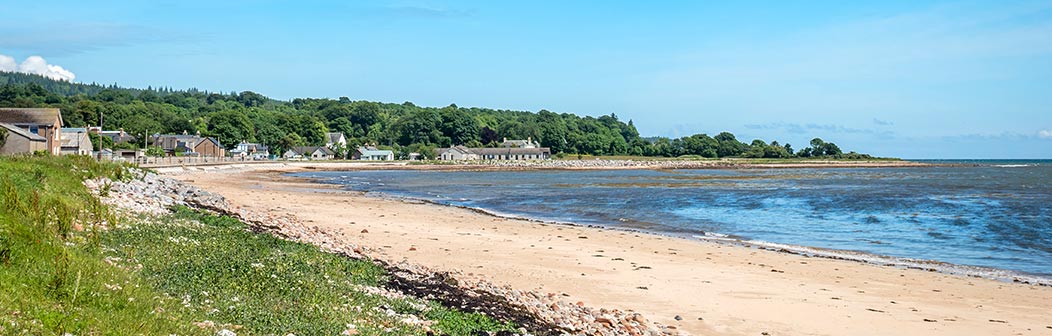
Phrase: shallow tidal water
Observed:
(993, 213)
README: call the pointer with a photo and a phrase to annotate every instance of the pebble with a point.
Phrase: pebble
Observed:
(153, 194)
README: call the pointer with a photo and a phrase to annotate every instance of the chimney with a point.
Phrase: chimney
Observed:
(185, 132)
(505, 139)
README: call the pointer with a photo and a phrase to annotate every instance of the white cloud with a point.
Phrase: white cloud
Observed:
(36, 65)
(1044, 134)
(7, 63)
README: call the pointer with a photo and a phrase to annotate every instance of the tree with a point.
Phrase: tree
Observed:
(458, 126)
(831, 149)
(420, 127)
(154, 151)
(488, 136)
(288, 141)
(231, 127)
(251, 99)
(99, 142)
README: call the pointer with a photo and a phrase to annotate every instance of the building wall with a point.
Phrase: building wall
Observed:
(18, 145)
(81, 146)
(208, 148)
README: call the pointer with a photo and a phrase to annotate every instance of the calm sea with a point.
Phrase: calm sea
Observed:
(994, 214)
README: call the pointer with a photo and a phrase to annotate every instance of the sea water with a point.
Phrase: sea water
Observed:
(983, 213)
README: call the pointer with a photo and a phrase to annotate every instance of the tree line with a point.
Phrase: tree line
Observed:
(406, 127)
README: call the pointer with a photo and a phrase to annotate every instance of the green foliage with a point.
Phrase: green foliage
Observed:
(304, 121)
(3, 136)
(230, 127)
(154, 151)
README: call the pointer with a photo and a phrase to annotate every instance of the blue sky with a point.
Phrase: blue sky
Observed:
(913, 79)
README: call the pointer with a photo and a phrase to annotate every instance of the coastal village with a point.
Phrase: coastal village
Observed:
(42, 130)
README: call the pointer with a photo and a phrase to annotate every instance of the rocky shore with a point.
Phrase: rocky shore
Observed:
(677, 164)
(536, 313)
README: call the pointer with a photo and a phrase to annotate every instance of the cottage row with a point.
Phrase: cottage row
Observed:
(508, 150)
(31, 130)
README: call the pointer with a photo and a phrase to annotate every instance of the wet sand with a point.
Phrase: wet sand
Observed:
(714, 289)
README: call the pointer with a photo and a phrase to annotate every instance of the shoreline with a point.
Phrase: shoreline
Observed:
(710, 288)
(713, 237)
(930, 265)
(598, 164)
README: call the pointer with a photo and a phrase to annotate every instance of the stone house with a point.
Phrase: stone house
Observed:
(189, 145)
(75, 141)
(45, 122)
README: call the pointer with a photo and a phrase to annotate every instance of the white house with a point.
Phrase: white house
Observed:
(250, 150)
(292, 154)
(457, 153)
(309, 153)
(333, 139)
(509, 150)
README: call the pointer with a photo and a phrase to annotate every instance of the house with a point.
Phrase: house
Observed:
(336, 142)
(250, 150)
(509, 150)
(528, 143)
(371, 153)
(118, 136)
(292, 155)
(309, 153)
(45, 122)
(191, 145)
(334, 139)
(457, 153)
(75, 141)
(20, 141)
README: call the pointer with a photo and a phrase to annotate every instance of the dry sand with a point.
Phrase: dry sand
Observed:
(715, 289)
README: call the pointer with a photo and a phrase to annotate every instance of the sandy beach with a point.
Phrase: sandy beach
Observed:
(702, 288)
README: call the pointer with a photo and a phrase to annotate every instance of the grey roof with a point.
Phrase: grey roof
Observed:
(378, 152)
(333, 136)
(38, 116)
(518, 143)
(303, 150)
(74, 139)
(21, 132)
(461, 149)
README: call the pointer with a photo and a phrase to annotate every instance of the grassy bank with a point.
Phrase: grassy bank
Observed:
(185, 273)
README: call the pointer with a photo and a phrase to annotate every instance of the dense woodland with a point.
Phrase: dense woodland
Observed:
(405, 127)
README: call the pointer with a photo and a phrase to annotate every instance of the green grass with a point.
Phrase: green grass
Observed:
(52, 279)
(158, 276)
(221, 272)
